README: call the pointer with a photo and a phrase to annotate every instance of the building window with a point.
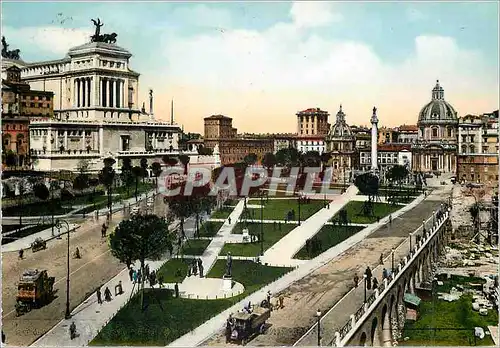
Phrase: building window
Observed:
(125, 142)
(434, 132)
(472, 149)
(449, 132)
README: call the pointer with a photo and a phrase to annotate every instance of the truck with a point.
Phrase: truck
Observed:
(35, 289)
(246, 325)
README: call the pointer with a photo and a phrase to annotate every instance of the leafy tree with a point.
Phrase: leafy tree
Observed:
(288, 157)
(41, 191)
(10, 159)
(250, 159)
(205, 151)
(126, 174)
(269, 160)
(139, 238)
(170, 160)
(156, 169)
(144, 166)
(184, 159)
(367, 184)
(310, 159)
(107, 177)
(137, 173)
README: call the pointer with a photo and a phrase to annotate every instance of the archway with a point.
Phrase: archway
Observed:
(386, 327)
(375, 333)
(362, 340)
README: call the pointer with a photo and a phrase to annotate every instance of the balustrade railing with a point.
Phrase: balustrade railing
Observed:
(438, 219)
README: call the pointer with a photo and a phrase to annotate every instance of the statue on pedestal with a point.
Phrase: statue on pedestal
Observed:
(97, 37)
(229, 265)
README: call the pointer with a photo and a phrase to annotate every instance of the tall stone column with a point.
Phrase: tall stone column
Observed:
(80, 92)
(75, 93)
(83, 140)
(95, 98)
(122, 94)
(107, 81)
(101, 140)
(89, 91)
(374, 140)
(56, 141)
(66, 139)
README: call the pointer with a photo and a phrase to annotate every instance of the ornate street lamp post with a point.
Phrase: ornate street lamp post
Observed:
(59, 223)
(318, 316)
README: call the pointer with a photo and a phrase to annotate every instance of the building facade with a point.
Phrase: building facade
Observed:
(436, 146)
(340, 143)
(477, 160)
(284, 141)
(312, 129)
(20, 104)
(97, 113)
(407, 134)
(220, 134)
(388, 156)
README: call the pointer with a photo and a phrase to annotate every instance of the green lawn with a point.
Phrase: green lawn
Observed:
(276, 209)
(174, 270)
(272, 234)
(222, 213)
(252, 275)
(195, 246)
(380, 210)
(329, 236)
(26, 232)
(210, 228)
(164, 320)
(161, 325)
(453, 315)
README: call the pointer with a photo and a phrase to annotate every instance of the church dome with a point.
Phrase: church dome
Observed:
(437, 109)
(340, 129)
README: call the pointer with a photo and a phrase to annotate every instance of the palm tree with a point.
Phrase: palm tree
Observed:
(137, 173)
(107, 177)
(156, 168)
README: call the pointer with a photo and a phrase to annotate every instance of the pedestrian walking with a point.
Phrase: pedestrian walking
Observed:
(274, 225)
(119, 289)
(98, 293)
(375, 283)
(385, 274)
(382, 258)
(134, 276)
(368, 273)
(279, 225)
(139, 276)
(131, 274)
(152, 278)
(281, 299)
(103, 230)
(176, 290)
(160, 281)
(201, 270)
(229, 220)
(21, 254)
(356, 280)
(3, 337)
(107, 294)
(268, 297)
(378, 219)
(72, 331)
(390, 219)
(146, 272)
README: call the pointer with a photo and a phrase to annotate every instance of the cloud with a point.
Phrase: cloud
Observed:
(53, 39)
(314, 14)
(203, 16)
(414, 15)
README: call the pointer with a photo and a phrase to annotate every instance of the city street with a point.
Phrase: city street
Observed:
(328, 284)
(96, 266)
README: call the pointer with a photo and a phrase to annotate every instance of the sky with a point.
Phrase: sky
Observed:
(262, 62)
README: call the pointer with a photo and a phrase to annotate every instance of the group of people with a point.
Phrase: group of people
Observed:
(107, 293)
(371, 281)
(137, 276)
(195, 268)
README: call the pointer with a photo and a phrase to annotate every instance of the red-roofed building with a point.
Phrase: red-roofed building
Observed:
(388, 155)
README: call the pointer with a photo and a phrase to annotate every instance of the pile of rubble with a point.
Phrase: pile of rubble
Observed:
(460, 254)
